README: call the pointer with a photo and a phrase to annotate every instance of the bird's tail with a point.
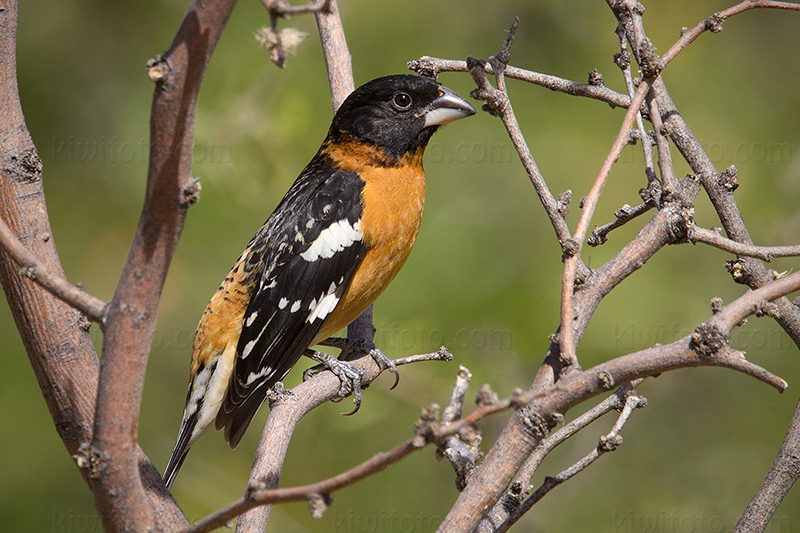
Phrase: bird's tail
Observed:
(180, 451)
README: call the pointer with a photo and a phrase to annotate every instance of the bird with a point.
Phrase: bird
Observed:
(332, 245)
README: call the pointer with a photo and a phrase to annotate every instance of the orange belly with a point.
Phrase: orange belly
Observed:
(393, 198)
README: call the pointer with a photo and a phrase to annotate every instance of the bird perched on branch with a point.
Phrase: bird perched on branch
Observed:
(330, 248)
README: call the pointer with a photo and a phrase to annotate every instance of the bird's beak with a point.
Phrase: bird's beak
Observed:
(449, 106)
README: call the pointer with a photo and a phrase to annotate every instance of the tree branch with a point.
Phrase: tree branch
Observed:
(432, 66)
(131, 314)
(766, 253)
(608, 443)
(782, 476)
(33, 269)
(286, 410)
(275, 438)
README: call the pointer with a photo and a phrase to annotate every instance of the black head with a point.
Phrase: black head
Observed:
(398, 113)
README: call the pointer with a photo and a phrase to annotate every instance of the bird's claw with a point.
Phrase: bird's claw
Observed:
(349, 376)
(353, 349)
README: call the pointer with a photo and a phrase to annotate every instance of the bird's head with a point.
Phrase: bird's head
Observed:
(398, 114)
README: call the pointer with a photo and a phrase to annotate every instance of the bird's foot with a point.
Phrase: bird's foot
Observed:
(349, 375)
(355, 348)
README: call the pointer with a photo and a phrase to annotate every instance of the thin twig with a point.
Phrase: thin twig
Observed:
(668, 179)
(765, 253)
(462, 452)
(623, 60)
(608, 443)
(521, 484)
(567, 335)
(59, 287)
(260, 494)
(257, 496)
(282, 8)
(781, 477)
(623, 215)
(498, 104)
(432, 66)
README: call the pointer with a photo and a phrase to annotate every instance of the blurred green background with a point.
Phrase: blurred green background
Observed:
(484, 277)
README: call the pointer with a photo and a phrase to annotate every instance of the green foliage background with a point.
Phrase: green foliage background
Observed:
(484, 277)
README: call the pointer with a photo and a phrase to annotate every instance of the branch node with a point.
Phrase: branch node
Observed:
(606, 380)
(717, 305)
(708, 340)
(425, 428)
(739, 271)
(570, 247)
(651, 195)
(318, 504)
(278, 393)
(714, 23)
(563, 201)
(596, 79)
(158, 70)
(609, 443)
(424, 66)
(729, 179)
(486, 396)
(678, 222)
(533, 422)
(622, 59)
(91, 459)
(191, 193)
(648, 59)
(254, 486)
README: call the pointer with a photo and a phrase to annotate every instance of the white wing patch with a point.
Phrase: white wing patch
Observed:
(256, 375)
(332, 239)
(327, 303)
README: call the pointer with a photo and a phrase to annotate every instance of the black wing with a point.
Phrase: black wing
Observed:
(311, 246)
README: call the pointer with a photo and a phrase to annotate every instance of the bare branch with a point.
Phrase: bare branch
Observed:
(608, 443)
(668, 179)
(567, 337)
(623, 215)
(59, 287)
(782, 476)
(286, 411)
(765, 253)
(131, 314)
(259, 496)
(462, 454)
(432, 66)
(623, 60)
(707, 346)
(281, 423)
(498, 104)
(511, 501)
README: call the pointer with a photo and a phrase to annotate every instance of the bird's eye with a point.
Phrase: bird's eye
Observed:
(401, 101)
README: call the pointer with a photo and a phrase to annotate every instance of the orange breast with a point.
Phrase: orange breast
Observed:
(393, 199)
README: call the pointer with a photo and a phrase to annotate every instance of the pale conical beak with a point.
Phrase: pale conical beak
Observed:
(449, 106)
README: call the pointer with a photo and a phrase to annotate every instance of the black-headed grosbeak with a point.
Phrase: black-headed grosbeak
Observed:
(330, 248)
